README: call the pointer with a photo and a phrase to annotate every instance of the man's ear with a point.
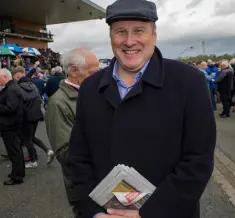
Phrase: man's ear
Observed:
(73, 68)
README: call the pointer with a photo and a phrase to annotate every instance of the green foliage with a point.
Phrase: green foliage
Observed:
(200, 58)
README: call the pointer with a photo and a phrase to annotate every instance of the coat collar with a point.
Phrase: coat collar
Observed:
(10, 82)
(68, 90)
(154, 74)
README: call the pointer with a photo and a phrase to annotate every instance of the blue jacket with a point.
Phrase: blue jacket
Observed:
(212, 69)
(208, 77)
(39, 84)
(53, 84)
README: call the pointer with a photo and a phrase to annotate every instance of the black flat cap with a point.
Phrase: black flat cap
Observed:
(131, 10)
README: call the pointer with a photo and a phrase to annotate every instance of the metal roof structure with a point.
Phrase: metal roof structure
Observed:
(47, 12)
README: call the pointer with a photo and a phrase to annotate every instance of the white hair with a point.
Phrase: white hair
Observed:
(73, 57)
(5, 72)
(58, 69)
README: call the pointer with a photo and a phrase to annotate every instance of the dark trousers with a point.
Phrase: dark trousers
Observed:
(40, 144)
(231, 103)
(213, 98)
(38, 141)
(224, 97)
(15, 153)
(27, 133)
(29, 139)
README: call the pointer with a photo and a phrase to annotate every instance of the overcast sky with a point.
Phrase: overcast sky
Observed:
(181, 24)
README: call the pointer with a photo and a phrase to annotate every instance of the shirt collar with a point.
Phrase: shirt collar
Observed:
(154, 74)
(72, 84)
(137, 76)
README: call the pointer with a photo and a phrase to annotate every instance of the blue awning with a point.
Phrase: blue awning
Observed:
(12, 47)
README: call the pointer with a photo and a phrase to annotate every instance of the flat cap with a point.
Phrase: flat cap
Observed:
(131, 10)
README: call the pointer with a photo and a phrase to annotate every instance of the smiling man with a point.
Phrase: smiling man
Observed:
(125, 116)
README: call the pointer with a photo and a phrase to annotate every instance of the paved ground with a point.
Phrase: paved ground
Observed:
(42, 194)
(226, 135)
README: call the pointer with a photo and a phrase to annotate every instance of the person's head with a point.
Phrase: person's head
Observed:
(217, 64)
(209, 61)
(5, 77)
(224, 64)
(198, 64)
(78, 64)
(204, 65)
(232, 61)
(132, 32)
(18, 73)
(52, 72)
(16, 62)
(133, 43)
(58, 69)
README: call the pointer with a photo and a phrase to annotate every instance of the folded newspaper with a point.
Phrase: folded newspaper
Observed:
(122, 188)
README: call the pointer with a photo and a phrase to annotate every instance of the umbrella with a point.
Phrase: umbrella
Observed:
(32, 51)
(25, 53)
(12, 47)
(6, 52)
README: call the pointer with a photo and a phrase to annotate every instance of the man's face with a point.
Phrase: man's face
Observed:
(3, 80)
(133, 43)
(18, 76)
(223, 66)
(204, 65)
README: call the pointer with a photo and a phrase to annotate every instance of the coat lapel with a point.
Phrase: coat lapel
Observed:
(136, 90)
(112, 94)
(109, 87)
(154, 76)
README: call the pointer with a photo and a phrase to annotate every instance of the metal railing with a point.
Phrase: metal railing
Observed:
(29, 33)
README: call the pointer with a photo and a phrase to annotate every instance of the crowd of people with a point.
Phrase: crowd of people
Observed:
(221, 81)
(26, 92)
(49, 58)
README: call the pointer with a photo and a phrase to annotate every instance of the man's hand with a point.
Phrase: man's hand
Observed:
(124, 213)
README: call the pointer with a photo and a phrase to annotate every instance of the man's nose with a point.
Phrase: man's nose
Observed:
(130, 40)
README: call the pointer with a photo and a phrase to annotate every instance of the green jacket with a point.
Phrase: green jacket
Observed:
(60, 115)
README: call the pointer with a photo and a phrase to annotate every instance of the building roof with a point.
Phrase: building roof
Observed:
(47, 12)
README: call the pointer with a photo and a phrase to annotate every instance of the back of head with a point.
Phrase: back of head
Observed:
(198, 63)
(209, 61)
(58, 69)
(52, 72)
